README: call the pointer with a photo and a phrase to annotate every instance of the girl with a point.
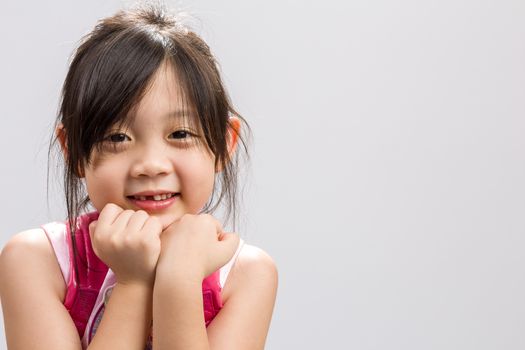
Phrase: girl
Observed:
(149, 139)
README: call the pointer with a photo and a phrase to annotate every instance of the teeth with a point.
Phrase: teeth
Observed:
(157, 197)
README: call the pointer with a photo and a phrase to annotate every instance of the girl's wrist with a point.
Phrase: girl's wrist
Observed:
(136, 284)
(177, 273)
(134, 290)
(179, 285)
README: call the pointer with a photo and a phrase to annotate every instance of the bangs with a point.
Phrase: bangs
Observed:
(183, 110)
(105, 106)
(104, 83)
(201, 91)
(184, 107)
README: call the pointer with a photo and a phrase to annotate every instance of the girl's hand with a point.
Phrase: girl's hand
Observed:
(128, 242)
(194, 247)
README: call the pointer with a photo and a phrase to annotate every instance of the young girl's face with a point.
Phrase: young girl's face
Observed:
(159, 152)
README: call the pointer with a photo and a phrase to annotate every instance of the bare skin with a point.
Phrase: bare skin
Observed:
(159, 258)
(248, 296)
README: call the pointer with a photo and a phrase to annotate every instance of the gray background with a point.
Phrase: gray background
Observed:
(387, 178)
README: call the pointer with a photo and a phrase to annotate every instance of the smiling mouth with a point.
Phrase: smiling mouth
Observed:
(157, 197)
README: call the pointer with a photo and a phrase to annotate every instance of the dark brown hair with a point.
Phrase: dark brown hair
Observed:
(111, 71)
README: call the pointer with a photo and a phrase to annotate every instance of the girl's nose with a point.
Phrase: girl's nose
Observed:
(151, 163)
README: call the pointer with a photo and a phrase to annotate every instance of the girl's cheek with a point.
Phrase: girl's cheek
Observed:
(103, 182)
(197, 176)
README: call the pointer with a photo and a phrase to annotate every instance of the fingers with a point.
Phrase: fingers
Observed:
(137, 220)
(229, 242)
(109, 213)
(122, 220)
(230, 238)
(128, 242)
(114, 222)
(153, 224)
(92, 227)
(218, 227)
(107, 217)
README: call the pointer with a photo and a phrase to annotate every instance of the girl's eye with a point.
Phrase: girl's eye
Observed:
(114, 143)
(181, 134)
(117, 138)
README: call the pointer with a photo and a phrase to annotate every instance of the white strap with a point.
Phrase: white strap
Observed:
(56, 233)
(225, 270)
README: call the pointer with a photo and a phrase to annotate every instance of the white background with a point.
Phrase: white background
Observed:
(387, 173)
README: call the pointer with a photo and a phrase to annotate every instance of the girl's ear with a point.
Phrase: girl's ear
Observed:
(61, 136)
(234, 130)
(232, 138)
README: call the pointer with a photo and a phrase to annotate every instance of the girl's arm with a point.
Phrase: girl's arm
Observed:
(128, 242)
(32, 289)
(242, 323)
(244, 320)
(126, 323)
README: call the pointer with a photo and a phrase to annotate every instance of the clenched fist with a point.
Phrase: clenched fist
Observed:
(194, 247)
(128, 242)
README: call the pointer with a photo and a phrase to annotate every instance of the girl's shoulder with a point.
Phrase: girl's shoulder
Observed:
(253, 255)
(249, 297)
(32, 290)
(30, 254)
(252, 264)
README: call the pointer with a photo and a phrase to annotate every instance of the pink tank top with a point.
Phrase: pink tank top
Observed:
(86, 299)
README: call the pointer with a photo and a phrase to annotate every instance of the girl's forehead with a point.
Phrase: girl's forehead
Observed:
(164, 92)
(163, 100)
